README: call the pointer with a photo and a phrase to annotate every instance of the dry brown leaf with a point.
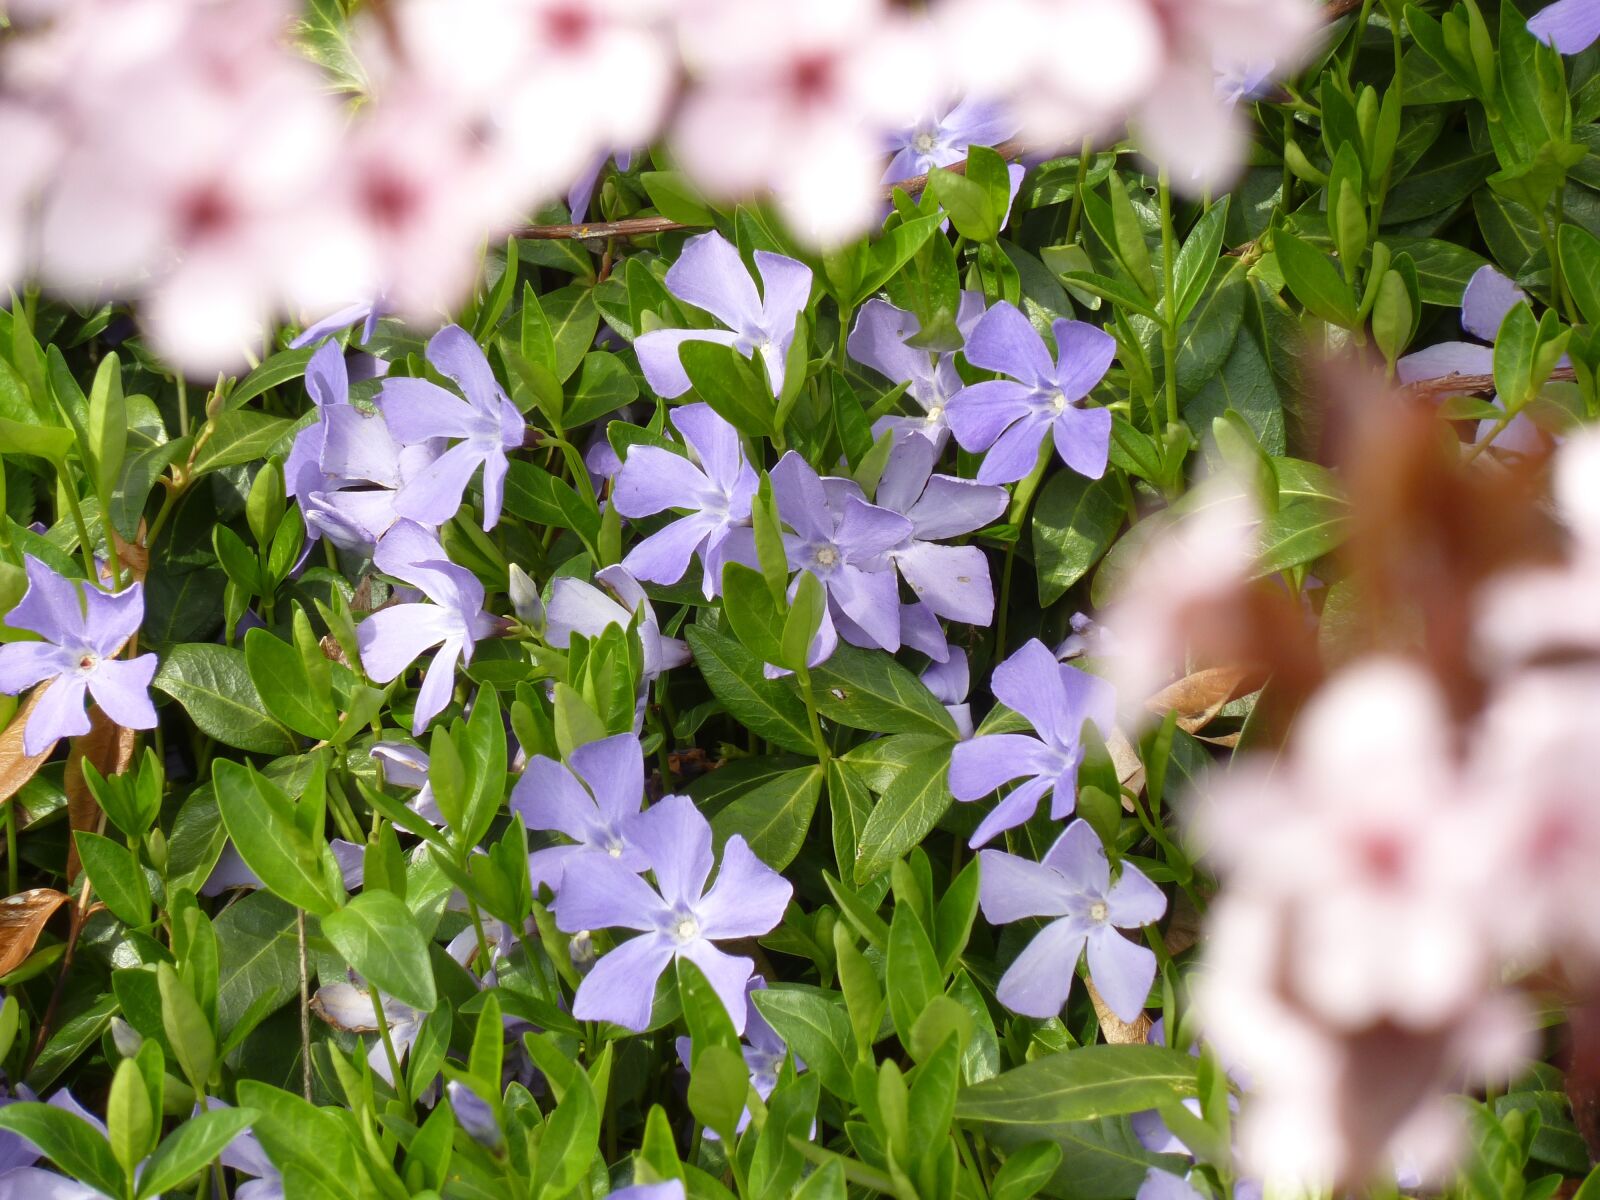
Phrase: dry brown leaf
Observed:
(1113, 1028)
(16, 768)
(332, 651)
(22, 920)
(110, 748)
(1199, 697)
(134, 556)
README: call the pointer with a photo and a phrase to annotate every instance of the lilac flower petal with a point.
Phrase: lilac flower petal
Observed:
(606, 895)
(1083, 439)
(613, 768)
(1005, 341)
(438, 685)
(1031, 682)
(665, 555)
(549, 866)
(985, 763)
(404, 766)
(950, 680)
(433, 497)
(357, 446)
(866, 530)
(622, 986)
(1085, 352)
(977, 121)
(1040, 978)
(57, 713)
(50, 607)
(36, 1183)
(1444, 360)
(653, 480)
(785, 292)
(454, 352)
(393, 638)
(981, 413)
(658, 357)
(1016, 451)
(1122, 971)
(1488, 298)
(418, 409)
(671, 1189)
(748, 898)
(495, 468)
(579, 607)
(1571, 26)
(920, 631)
(1134, 900)
(112, 617)
(1079, 857)
(709, 274)
(715, 443)
(905, 476)
(23, 664)
(122, 688)
(677, 839)
(950, 507)
(726, 973)
(1164, 1185)
(953, 581)
(801, 498)
(230, 872)
(879, 341)
(1014, 809)
(1012, 888)
(871, 599)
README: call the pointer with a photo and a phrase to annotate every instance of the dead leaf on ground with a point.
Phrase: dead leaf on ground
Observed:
(16, 767)
(22, 920)
(1198, 698)
(110, 748)
(1113, 1028)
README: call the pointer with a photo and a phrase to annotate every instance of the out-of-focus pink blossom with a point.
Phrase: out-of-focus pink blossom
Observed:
(799, 100)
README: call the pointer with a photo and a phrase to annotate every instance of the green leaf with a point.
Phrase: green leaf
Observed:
(281, 680)
(1301, 532)
(719, 1081)
(971, 208)
(573, 320)
(905, 814)
(731, 385)
(117, 877)
(867, 689)
(212, 683)
(378, 936)
(816, 1028)
(1074, 522)
(774, 816)
(233, 438)
(107, 425)
(42, 441)
(1443, 268)
(300, 1137)
(279, 369)
(1025, 1171)
(1514, 349)
(769, 707)
(191, 1148)
(1314, 280)
(1245, 386)
(1580, 264)
(261, 821)
(258, 958)
(571, 1136)
(604, 385)
(676, 198)
(184, 1022)
(751, 611)
(913, 977)
(1079, 1085)
(1197, 260)
(68, 1141)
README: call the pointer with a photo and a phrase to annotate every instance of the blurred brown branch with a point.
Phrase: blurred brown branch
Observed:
(1470, 385)
(646, 226)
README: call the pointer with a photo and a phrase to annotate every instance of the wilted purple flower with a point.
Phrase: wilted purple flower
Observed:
(579, 607)
(1010, 417)
(881, 340)
(709, 274)
(715, 485)
(1489, 296)
(407, 766)
(1571, 26)
(392, 638)
(678, 917)
(950, 581)
(487, 423)
(347, 1006)
(949, 681)
(1072, 884)
(763, 1051)
(474, 1114)
(83, 629)
(942, 139)
(595, 801)
(1056, 699)
(845, 542)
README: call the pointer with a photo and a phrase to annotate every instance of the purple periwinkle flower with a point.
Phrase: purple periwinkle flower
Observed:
(668, 1189)
(486, 423)
(676, 918)
(845, 542)
(709, 274)
(881, 340)
(1571, 26)
(365, 314)
(407, 766)
(83, 630)
(474, 1114)
(594, 801)
(1011, 417)
(949, 681)
(716, 486)
(763, 1050)
(579, 607)
(943, 138)
(392, 638)
(1072, 885)
(581, 193)
(951, 581)
(1056, 699)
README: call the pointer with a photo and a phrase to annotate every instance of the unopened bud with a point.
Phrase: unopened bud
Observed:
(155, 848)
(525, 599)
(581, 948)
(126, 1038)
(474, 1114)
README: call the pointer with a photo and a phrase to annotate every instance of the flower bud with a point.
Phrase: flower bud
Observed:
(474, 1114)
(126, 1038)
(525, 599)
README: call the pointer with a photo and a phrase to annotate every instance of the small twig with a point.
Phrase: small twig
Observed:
(1470, 385)
(305, 1006)
(1341, 8)
(647, 226)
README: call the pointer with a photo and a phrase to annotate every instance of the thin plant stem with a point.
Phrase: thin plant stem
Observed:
(1075, 213)
(1021, 502)
(85, 546)
(1169, 299)
(817, 740)
(388, 1047)
(305, 1006)
(11, 847)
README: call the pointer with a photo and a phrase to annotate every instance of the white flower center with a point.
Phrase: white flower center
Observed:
(1058, 400)
(88, 661)
(924, 142)
(685, 929)
(1098, 912)
(935, 414)
(614, 850)
(827, 556)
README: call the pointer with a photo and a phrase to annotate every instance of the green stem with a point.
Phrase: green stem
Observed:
(85, 546)
(484, 958)
(1021, 502)
(1169, 299)
(1360, 36)
(1075, 213)
(183, 408)
(817, 740)
(388, 1047)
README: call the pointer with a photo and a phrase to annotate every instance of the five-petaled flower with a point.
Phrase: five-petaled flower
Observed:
(715, 485)
(882, 340)
(677, 918)
(709, 274)
(83, 630)
(594, 801)
(1043, 396)
(1056, 699)
(1072, 884)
